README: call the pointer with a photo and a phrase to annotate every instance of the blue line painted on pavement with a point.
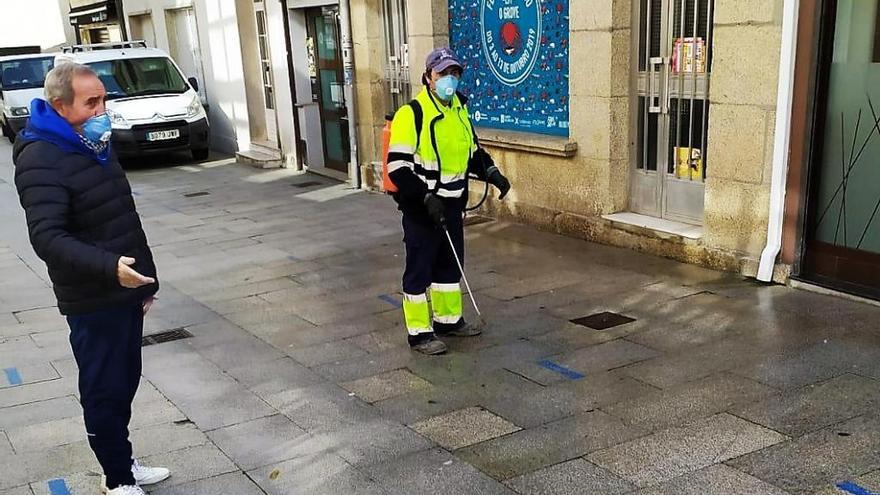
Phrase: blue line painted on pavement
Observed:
(850, 487)
(58, 487)
(13, 376)
(390, 300)
(562, 370)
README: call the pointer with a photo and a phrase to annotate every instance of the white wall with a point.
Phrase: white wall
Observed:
(284, 106)
(221, 61)
(35, 22)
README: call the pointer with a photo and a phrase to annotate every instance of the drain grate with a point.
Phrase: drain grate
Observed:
(196, 194)
(476, 220)
(303, 185)
(603, 321)
(166, 336)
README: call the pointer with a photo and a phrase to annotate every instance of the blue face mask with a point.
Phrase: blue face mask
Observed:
(446, 87)
(97, 129)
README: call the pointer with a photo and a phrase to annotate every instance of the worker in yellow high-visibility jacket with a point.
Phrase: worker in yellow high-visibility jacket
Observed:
(432, 150)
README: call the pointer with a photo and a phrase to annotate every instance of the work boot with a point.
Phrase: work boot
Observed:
(464, 329)
(430, 347)
(144, 475)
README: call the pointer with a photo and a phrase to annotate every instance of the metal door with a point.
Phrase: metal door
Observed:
(671, 72)
(398, 86)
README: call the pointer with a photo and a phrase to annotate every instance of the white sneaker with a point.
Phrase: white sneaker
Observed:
(144, 475)
(126, 490)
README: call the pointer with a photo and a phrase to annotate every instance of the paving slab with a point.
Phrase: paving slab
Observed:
(674, 452)
(819, 459)
(38, 392)
(37, 437)
(593, 359)
(694, 363)
(683, 404)
(318, 474)
(262, 441)
(86, 483)
(385, 386)
(433, 471)
(815, 406)
(22, 375)
(232, 483)
(546, 445)
(717, 480)
(191, 464)
(209, 397)
(21, 490)
(36, 412)
(465, 427)
(57, 462)
(569, 478)
(819, 362)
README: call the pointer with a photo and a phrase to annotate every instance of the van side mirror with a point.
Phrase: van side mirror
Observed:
(194, 83)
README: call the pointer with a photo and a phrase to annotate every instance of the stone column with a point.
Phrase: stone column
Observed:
(600, 98)
(428, 29)
(284, 104)
(369, 59)
(742, 115)
(252, 71)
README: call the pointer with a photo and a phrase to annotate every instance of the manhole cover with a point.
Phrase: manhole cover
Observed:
(603, 321)
(196, 194)
(167, 336)
(303, 185)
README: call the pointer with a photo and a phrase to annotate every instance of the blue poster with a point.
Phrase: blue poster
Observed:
(515, 54)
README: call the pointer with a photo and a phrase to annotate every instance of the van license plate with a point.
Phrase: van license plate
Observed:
(163, 135)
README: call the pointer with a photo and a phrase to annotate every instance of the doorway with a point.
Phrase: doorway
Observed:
(183, 44)
(327, 84)
(671, 70)
(266, 70)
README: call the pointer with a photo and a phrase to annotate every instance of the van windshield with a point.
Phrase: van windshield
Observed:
(133, 77)
(24, 73)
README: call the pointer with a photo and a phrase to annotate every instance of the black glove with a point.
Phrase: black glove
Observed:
(500, 181)
(436, 209)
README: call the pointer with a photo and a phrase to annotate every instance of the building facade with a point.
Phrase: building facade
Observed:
(714, 132)
(647, 124)
(97, 21)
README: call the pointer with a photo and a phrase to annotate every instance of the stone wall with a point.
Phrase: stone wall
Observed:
(566, 185)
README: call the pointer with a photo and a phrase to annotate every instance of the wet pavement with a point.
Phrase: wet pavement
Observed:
(297, 378)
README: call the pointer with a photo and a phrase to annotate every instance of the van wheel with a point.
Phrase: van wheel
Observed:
(200, 154)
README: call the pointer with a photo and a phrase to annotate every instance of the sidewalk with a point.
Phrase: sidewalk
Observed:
(297, 378)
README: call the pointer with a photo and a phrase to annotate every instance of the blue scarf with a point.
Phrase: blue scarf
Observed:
(46, 125)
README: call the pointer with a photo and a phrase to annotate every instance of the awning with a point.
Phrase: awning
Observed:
(95, 13)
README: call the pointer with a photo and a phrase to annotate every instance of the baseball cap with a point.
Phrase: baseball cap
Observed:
(441, 59)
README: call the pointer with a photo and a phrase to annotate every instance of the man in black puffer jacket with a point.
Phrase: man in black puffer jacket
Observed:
(83, 223)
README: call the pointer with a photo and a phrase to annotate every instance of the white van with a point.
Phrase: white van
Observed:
(153, 108)
(21, 80)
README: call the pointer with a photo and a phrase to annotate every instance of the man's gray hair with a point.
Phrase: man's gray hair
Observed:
(59, 81)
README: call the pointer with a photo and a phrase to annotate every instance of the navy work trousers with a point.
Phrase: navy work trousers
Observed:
(107, 348)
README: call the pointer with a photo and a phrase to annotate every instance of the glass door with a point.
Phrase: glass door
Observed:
(672, 65)
(328, 84)
(842, 247)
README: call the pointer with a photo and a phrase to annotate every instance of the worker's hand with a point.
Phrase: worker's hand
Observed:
(129, 278)
(497, 179)
(436, 209)
(149, 304)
